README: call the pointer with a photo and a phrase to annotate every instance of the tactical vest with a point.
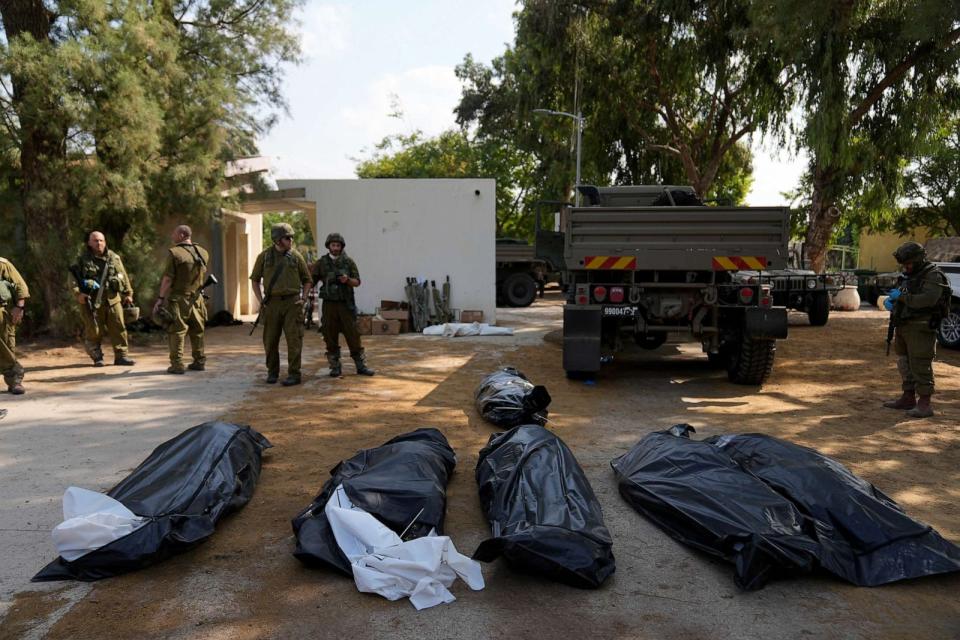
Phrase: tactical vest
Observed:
(333, 289)
(915, 283)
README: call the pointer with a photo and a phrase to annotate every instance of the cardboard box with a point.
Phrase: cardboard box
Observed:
(394, 314)
(471, 316)
(386, 327)
(389, 305)
(365, 325)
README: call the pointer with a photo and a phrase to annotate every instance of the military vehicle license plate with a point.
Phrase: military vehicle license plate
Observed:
(620, 312)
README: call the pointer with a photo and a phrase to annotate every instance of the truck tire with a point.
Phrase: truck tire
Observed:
(752, 362)
(519, 289)
(819, 309)
(948, 333)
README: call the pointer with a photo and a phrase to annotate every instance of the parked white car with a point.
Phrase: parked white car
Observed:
(948, 334)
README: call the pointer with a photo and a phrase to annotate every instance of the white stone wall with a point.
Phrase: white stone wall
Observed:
(424, 228)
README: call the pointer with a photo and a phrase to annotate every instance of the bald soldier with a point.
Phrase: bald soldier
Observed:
(181, 296)
(108, 289)
(13, 297)
(281, 282)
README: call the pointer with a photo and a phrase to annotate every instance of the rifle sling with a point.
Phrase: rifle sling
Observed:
(103, 280)
(276, 276)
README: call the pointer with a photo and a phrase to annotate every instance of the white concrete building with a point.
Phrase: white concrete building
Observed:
(420, 228)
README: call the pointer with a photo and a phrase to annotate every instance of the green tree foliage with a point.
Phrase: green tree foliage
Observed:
(874, 76)
(455, 154)
(117, 115)
(931, 183)
(303, 234)
(671, 91)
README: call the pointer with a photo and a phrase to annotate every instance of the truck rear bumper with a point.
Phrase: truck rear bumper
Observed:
(765, 323)
(581, 338)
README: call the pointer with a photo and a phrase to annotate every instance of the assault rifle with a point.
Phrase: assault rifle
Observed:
(209, 282)
(92, 289)
(894, 316)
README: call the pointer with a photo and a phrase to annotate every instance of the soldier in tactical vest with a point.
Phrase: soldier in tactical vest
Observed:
(102, 288)
(916, 308)
(13, 297)
(181, 298)
(285, 285)
(339, 275)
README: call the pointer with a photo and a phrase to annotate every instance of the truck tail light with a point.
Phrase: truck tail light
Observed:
(616, 294)
(766, 297)
(746, 295)
(582, 297)
(600, 293)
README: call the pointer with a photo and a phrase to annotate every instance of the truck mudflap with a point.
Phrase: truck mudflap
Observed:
(765, 323)
(581, 338)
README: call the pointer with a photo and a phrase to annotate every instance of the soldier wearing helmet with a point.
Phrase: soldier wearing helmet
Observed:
(13, 298)
(180, 308)
(916, 307)
(105, 289)
(285, 285)
(339, 275)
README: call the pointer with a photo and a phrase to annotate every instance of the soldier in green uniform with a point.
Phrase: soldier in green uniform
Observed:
(339, 275)
(110, 289)
(917, 310)
(285, 285)
(181, 296)
(13, 296)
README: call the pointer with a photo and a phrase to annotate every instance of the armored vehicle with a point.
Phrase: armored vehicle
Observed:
(648, 264)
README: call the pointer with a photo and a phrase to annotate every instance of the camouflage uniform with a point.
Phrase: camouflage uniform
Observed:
(109, 315)
(339, 310)
(283, 311)
(9, 366)
(186, 267)
(915, 338)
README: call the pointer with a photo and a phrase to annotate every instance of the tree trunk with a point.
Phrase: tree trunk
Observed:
(42, 161)
(823, 217)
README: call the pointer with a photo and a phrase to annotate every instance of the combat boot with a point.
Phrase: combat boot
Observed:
(291, 381)
(197, 366)
(176, 370)
(923, 408)
(16, 389)
(122, 361)
(907, 401)
(361, 361)
(333, 359)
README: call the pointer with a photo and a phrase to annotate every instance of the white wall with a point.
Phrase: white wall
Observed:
(424, 228)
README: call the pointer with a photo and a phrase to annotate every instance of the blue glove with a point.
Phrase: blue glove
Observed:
(894, 294)
(888, 304)
(91, 285)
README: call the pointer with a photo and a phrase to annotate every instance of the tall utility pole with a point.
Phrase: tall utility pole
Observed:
(578, 117)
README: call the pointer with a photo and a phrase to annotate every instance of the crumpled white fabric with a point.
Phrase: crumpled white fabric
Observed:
(422, 569)
(91, 520)
(456, 329)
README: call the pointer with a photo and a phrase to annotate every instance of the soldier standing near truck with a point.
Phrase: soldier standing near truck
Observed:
(916, 310)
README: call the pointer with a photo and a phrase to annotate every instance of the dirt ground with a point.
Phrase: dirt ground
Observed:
(825, 392)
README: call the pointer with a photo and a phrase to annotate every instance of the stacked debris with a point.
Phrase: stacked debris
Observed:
(772, 507)
(544, 517)
(168, 504)
(507, 399)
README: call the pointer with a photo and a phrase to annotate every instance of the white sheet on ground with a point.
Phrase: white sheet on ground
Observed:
(91, 520)
(456, 329)
(422, 569)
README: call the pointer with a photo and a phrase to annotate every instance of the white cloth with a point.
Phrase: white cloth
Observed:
(422, 569)
(456, 329)
(91, 520)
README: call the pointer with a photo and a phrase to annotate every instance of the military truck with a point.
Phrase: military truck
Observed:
(800, 289)
(520, 273)
(648, 264)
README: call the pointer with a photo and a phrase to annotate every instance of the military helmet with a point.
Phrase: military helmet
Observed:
(162, 317)
(335, 237)
(910, 252)
(131, 313)
(281, 230)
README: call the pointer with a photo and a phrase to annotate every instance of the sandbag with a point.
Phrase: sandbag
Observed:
(507, 399)
(772, 507)
(544, 517)
(402, 483)
(183, 489)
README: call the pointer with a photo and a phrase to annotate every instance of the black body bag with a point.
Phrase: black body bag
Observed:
(402, 483)
(544, 517)
(772, 508)
(184, 488)
(507, 399)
